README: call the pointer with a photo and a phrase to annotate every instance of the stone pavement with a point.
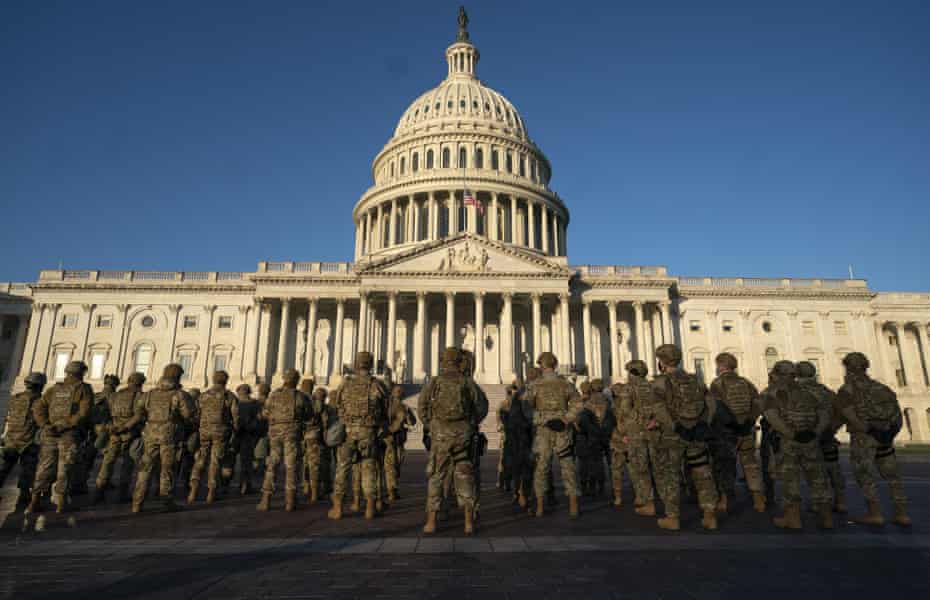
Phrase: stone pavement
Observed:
(228, 550)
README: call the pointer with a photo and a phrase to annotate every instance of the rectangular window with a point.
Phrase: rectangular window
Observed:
(840, 328)
(69, 321)
(224, 322)
(699, 368)
(61, 361)
(219, 362)
(694, 326)
(143, 359)
(190, 322)
(98, 360)
(807, 327)
(104, 321)
(728, 326)
(187, 363)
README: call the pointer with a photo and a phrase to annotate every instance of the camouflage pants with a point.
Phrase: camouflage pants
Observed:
(500, 458)
(56, 451)
(117, 447)
(84, 460)
(795, 460)
(313, 456)
(727, 449)
(547, 443)
(283, 448)
(27, 458)
(212, 451)
(831, 464)
(449, 457)
(867, 455)
(157, 451)
(391, 464)
(635, 457)
(668, 457)
(360, 447)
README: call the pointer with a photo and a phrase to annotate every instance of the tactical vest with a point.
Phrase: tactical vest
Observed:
(875, 403)
(62, 405)
(158, 407)
(737, 395)
(449, 399)
(798, 407)
(641, 393)
(19, 421)
(213, 409)
(282, 407)
(361, 403)
(550, 395)
(687, 397)
(123, 405)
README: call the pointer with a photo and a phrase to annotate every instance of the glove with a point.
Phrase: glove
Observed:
(684, 433)
(803, 437)
(557, 425)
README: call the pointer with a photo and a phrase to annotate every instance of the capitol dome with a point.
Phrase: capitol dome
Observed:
(460, 160)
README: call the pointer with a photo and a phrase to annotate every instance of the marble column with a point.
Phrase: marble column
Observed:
(588, 338)
(175, 310)
(309, 362)
(565, 326)
(531, 223)
(507, 370)
(453, 214)
(393, 230)
(450, 319)
(747, 362)
(667, 336)
(924, 346)
(479, 334)
(826, 339)
(419, 339)
(208, 311)
(416, 219)
(32, 338)
(614, 349)
(362, 322)
(19, 345)
(513, 219)
(544, 222)
(283, 333)
(51, 338)
(493, 219)
(641, 334)
(909, 378)
(358, 239)
(431, 216)
(886, 366)
(391, 329)
(713, 330)
(123, 310)
(87, 311)
(253, 322)
(556, 251)
(244, 319)
(535, 298)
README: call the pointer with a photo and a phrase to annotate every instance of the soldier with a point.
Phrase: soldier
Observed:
(19, 436)
(553, 405)
(249, 430)
(479, 440)
(829, 445)
(95, 435)
(122, 408)
(795, 415)
(632, 406)
(737, 410)
(873, 419)
(313, 442)
(394, 439)
(60, 413)
(519, 447)
(360, 402)
(682, 416)
(449, 407)
(187, 439)
(286, 410)
(262, 391)
(219, 419)
(597, 423)
(162, 411)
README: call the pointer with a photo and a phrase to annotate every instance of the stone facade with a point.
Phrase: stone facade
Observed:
(459, 242)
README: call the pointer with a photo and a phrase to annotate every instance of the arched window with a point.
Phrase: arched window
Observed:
(771, 357)
(415, 162)
(143, 358)
(445, 158)
(462, 158)
(509, 163)
(429, 159)
(479, 158)
(495, 163)
(403, 162)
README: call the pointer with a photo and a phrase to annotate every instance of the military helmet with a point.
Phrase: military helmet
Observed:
(76, 367)
(320, 392)
(806, 368)
(451, 356)
(136, 379)
(784, 369)
(364, 360)
(243, 389)
(856, 361)
(306, 386)
(637, 367)
(111, 380)
(220, 377)
(291, 377)
(727, 361)
(585, 388)
(36, 378)
(597, 385)
(668, 354)
(547, 360)
(173, 371)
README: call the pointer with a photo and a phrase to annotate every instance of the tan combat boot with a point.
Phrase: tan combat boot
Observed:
(59, 501)
(335, 513)
(573, 510)
(840, 504)
(618, 498)
(290, 500)
(391, 497)
(370, 509)
(540, 506)
(825, 516)
(430, 525)
(723, 504)
(791, 519)
(211, 495)
(35, 504)
(356, 505)
(873, 516)
(646, 510)
(670, 523)
(900, 515)
(469, 522)
(314, 493)
(758, 502)
(192, 495)
(265, 503)
(136, 507)
(521, 499)
(709, 521)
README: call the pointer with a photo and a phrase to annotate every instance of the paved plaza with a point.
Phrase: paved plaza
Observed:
(228, 550)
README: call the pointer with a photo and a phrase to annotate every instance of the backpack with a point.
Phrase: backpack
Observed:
(449, 396)
(687, 401)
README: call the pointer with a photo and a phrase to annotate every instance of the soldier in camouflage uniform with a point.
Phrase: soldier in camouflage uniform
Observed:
(394, 439)
(286, 410)
(873, 418)
(313, 442)
(829, 445)
(796, 416)
(262, 449)
(249, 430)
(519, 448)
(629, 441)
(450, 407)
(361, 402)
(219, 419)
(187, 439)
(597, 423)
(162, 411)
(95, 435)
(19, 436)
(122, 408)
(681, 415)
(553, 404)
(737, 410)
(60, 413)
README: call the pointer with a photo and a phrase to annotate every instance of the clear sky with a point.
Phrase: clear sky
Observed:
(787, 138)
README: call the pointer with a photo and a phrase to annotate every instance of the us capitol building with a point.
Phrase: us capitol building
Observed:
(436, 264)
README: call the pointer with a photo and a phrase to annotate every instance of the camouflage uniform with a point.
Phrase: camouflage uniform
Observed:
(19, 436)
(313, 442)
(286, 410)
(95, 435)
(122, 408)
(829, 445)
(249, 430)
(60, 413)
(163, 410)
(219, 419)
(550, 400)
(630, 442)
(361, 404)
(796, 415)
(737, 404)
(262, 449)
(187, 438)
(596, 426)
(394, 442)
(873, 418)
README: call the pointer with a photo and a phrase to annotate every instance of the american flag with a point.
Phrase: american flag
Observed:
(470, 201)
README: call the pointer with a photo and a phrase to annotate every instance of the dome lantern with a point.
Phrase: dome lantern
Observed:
(462, 56)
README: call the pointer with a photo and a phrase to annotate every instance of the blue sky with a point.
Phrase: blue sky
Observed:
(718, 138)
